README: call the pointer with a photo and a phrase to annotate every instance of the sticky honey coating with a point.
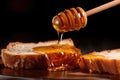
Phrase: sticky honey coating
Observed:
(70, 20)
(59, 58)
(55, 49)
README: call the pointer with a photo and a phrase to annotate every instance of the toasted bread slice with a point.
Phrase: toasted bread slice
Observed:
(41, 55)
(107, 61)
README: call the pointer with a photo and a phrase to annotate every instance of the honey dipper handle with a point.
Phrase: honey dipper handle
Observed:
(103, 7)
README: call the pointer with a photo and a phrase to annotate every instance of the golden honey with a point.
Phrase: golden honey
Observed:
(63, 58)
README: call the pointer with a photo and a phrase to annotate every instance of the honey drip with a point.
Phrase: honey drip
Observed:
(60, 36)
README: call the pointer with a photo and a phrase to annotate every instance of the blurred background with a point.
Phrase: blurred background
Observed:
(31, 21)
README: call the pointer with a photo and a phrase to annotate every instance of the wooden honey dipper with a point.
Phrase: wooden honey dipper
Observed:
(76, 18)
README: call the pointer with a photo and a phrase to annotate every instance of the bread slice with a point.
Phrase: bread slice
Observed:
(107, 61)
(41, 55)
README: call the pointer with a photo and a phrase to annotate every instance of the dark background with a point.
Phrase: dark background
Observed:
(31, 21)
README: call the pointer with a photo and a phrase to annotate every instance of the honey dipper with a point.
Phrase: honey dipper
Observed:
(76, 18)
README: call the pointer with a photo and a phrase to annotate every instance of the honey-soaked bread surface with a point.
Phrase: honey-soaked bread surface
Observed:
(107, 61)
(56, 49)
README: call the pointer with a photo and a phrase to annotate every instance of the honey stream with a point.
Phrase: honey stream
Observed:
(60, 37)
